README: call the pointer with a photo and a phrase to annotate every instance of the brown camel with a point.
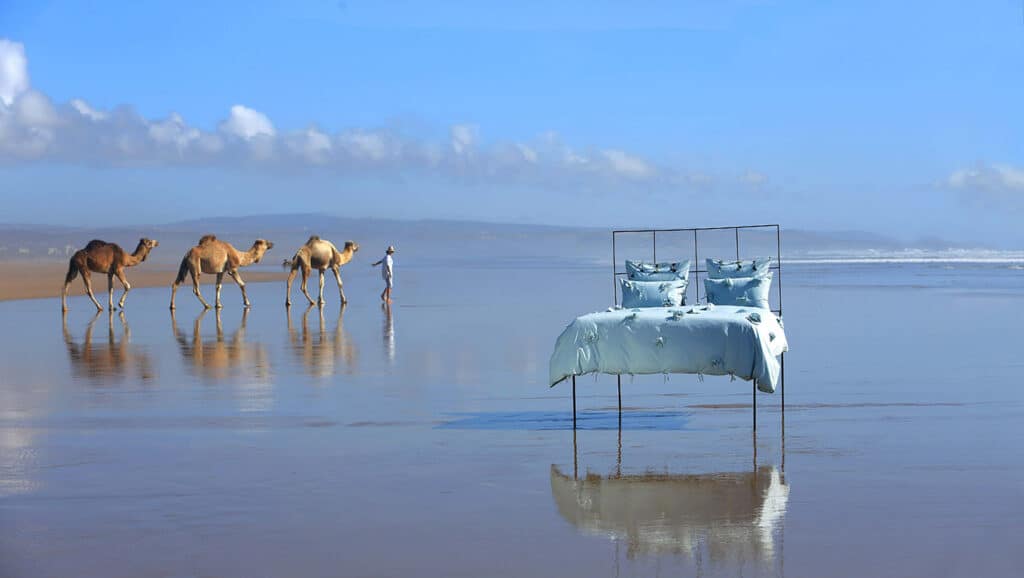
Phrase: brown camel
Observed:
(217, 257)
(102, 257)
(320, 255)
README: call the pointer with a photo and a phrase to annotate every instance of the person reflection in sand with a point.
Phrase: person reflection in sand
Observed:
(725, 517)
(319, 353)
(115, 359)
(389, 333)
(222, 359)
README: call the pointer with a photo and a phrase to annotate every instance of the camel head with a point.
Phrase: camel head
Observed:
(260, 247)
(145, 246)
(351, 246)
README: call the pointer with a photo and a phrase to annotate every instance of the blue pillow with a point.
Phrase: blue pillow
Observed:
(719, 269)
(653, 293)
(641, 271)
(744, 291)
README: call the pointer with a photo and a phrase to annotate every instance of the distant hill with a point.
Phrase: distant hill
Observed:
(437, 241)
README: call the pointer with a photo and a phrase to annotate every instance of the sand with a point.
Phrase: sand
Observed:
(20, 280)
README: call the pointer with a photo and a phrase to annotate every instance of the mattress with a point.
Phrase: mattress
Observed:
(742, 342)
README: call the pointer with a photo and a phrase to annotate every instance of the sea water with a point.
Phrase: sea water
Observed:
(423, 439)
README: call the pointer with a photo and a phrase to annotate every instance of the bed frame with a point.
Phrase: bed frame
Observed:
(696, 269)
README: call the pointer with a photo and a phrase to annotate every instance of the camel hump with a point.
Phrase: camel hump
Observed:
(313, 239)
(95, 244)
(207, 239)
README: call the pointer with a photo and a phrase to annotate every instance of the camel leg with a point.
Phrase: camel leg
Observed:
(341, 290)
(320, 298)
(288, 296)
(127, 287)
(305, 279)
(220, 283)
(110, 291)
(195, 288)
(87, 279)
(241, 285)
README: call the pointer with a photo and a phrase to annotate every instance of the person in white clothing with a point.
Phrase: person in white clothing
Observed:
(387, 274)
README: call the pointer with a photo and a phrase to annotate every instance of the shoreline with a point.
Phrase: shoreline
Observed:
(25, 281)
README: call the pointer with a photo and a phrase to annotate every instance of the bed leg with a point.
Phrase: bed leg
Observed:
(574, 403)
(753, 396)
(618, 385)
(782, 384)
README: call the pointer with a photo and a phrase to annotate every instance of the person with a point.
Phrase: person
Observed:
(387, 274)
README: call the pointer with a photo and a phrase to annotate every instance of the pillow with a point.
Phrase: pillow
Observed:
(653, 293)
(745, 291)
(641, 271)
(719, 269)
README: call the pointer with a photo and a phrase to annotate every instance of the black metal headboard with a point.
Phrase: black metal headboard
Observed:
(697, 268)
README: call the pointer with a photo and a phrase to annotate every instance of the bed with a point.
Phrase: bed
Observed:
(741, 342)
(734, 329)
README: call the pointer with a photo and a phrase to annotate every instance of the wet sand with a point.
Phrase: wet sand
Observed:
(422, 440)
(34, 280)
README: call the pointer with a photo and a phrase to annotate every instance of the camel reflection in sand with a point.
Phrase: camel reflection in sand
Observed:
(321, 351)
(724, 517)
(107, 360)
(221, 359)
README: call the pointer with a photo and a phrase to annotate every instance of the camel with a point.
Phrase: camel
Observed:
(218, 257)
(320, 255)
(102, 257)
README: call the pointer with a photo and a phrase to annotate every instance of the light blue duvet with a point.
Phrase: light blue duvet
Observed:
(744, 342)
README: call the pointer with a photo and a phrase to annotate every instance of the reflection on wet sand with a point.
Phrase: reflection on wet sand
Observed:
(320, 352)
(221, 358)
(103, 361)
(724, 517)
(389, 334)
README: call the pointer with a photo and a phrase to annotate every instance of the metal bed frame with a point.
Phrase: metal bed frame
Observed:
(695, 271)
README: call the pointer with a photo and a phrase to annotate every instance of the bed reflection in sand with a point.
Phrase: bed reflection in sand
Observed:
(722, 517)
(222, 359)
(112, 359)
(320, 352)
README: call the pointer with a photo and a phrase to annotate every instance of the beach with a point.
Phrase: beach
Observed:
(423, 440)
(35, 280)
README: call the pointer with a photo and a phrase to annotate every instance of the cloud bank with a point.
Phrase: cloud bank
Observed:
(33, 128)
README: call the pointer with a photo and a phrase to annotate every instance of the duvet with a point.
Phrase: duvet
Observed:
(742, 342)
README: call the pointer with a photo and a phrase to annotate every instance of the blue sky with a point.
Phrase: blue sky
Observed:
(902, 118)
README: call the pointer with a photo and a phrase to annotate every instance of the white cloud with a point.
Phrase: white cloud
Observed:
(627, 165)
(985, 178)
(173, 131)
(87, 111)
(311, 145)
(463, 139)
(247, 123)
(13, 71)
(754, 178)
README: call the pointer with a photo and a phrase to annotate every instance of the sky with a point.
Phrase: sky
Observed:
(900, 118)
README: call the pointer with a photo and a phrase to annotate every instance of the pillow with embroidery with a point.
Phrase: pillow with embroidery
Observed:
(720, 269)
(652, 293)
(743, 291)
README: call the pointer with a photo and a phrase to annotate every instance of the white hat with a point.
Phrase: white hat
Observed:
(391, 249)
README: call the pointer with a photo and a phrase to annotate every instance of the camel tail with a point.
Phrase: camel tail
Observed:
(291, 263)
(182, 271)
(72, 272)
